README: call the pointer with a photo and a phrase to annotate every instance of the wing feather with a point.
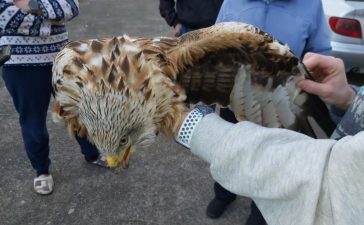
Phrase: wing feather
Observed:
(243, 100)
(282, 103)
(206, 63)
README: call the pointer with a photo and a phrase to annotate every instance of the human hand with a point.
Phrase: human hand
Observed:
(22, 4)
(330, 82)
(5, 53)
(177, 30)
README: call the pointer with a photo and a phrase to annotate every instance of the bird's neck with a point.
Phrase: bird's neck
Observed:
(170, 99)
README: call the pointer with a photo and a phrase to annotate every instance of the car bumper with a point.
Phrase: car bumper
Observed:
(352, 55)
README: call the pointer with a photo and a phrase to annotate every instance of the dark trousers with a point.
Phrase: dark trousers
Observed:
(89, 151)
(185, 29)
(30, 88)
(255, 217)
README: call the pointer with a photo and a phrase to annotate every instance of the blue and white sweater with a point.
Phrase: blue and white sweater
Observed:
(35, 40)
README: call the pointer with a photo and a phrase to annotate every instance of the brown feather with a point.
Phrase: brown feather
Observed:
(123, 86)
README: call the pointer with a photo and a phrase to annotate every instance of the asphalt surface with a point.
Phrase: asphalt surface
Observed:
(165, 184)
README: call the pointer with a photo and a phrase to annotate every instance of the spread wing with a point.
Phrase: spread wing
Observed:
(239, 65)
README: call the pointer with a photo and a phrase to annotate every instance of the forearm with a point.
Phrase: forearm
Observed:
(278, 168)
(252, 149)
(59, 10)
(16, 21)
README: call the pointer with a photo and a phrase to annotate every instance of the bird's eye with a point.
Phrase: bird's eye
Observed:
(123, 141)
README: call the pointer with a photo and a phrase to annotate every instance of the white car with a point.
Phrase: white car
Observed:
(346, 22)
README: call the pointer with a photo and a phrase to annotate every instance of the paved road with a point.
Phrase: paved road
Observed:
(164, 184)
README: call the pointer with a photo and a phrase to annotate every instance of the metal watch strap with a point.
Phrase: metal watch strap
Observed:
(190, 122)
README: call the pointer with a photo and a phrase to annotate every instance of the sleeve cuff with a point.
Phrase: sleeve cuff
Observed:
(337, 113)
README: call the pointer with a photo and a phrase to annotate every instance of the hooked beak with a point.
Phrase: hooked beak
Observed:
(122, 159)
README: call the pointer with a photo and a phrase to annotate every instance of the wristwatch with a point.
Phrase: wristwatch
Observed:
(34, 8)
(189, 124)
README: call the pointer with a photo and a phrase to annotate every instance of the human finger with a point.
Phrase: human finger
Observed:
(312, 87)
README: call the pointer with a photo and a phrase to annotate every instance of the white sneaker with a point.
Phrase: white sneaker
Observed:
(43, 184)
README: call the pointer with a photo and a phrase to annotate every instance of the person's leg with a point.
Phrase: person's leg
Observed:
(228, 115)
(30, 88)
(89, 151)
(184, 30)
(255, 217)
(219, 203)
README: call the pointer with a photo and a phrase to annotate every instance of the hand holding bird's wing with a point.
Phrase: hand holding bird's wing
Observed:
(330, 83)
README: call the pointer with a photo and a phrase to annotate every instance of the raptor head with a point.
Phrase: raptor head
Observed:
(116, 93)
(116, 122)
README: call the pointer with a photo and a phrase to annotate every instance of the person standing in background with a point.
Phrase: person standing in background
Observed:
(300, 24)
(187, 15)
(35, 30)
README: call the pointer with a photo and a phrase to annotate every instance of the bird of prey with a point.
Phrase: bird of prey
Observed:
(120, 92)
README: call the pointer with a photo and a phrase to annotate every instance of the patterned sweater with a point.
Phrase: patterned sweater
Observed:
(35, 40)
